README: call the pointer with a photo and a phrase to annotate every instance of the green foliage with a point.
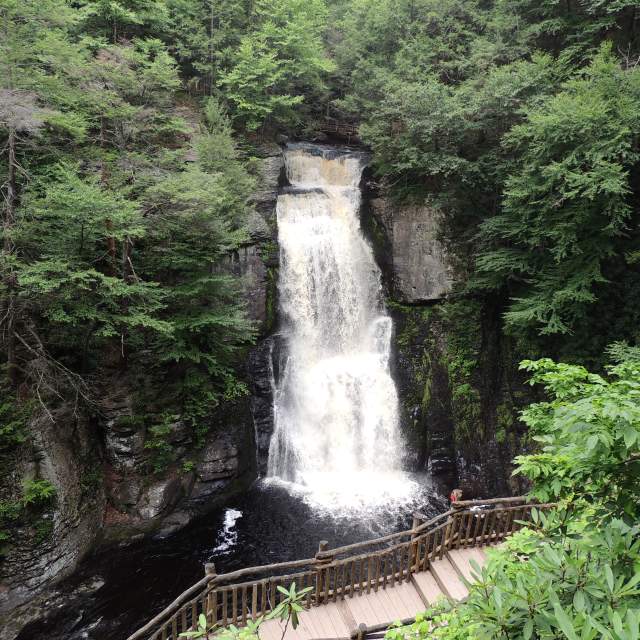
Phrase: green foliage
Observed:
(575, 571)
(157, 441)
(279, 61)
(589, 435)
(195, 225)
(188, 466)
(563, 586)
(567, 203)
(13, 422)
(38, 493)
(290, 605)
(516, 121)
(117, 249)
(59, 234)
(37, 496)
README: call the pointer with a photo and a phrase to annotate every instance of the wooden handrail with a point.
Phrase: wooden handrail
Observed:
(279, 566)
(463, 504)
(392, 536)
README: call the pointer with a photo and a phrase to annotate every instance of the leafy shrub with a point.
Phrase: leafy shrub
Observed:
(38, 493)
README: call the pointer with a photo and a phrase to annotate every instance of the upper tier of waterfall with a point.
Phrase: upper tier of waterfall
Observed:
(336, 433)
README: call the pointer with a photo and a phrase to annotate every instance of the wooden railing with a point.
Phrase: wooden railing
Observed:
(339, 573)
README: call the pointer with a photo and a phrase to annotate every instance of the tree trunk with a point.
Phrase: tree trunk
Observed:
(127, 277)
(210, 47)
(8, 249)
(111, 241)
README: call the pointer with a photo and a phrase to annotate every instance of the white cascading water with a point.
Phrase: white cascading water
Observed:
(336, 435)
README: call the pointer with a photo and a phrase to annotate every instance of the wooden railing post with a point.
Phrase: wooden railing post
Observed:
(456, 526)
(415, 546)
(322, 575)
(210, 603)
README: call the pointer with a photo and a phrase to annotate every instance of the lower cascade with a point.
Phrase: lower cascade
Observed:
(336, 434)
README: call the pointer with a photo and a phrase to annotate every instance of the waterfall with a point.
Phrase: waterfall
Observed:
(336, 432)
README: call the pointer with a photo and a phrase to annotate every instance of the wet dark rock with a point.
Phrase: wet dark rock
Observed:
(264, 365)
(270, 178)
(248, 263)
(159, 497)
(218, 460)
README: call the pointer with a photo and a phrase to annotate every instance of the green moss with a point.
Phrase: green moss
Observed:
(136, 422)
(268, 250)
(377, 235)
(91, 480)
(504, 416)
(188, 466)
(43, 530)
(462, 319)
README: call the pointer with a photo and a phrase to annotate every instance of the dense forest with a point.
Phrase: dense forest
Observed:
(130, 138)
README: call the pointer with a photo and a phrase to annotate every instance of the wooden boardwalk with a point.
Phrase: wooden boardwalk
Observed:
(381, 608)
(372, 583)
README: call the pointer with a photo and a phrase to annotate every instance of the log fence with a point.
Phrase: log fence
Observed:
(342, 572)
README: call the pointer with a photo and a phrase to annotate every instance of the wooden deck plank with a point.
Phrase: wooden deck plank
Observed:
(380, 608)
(427, 587)
(270, 630)
(362, 611)
(460, 559)
(413, 600)
(322, 620)
(479, 555)
(325, 621)
(347, 616)
(337, 621)
(448, 580)
(384, 605)
(405, 601)
(372, 609)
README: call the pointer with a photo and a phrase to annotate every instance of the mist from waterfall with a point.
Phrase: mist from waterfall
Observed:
(336, 434)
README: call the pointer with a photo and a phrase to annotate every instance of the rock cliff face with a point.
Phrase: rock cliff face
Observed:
(420, 270)
(52, 539)
(225, 461)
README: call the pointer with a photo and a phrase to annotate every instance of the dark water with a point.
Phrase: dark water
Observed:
(265, 525)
